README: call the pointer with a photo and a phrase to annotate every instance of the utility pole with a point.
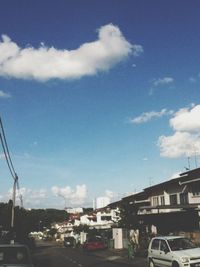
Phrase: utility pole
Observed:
(13, 208)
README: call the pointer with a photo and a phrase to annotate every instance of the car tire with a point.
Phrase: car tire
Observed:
(151, 263)
(175, 264)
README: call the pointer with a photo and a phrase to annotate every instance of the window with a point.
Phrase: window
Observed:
(162, 200)
(155, 201)
(184, 198)
(196, 189)
(181, 244)
(163, 246)
(155, 244)
(106, 218)
(173, 199)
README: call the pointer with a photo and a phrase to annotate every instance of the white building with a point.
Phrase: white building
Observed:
(74, 210)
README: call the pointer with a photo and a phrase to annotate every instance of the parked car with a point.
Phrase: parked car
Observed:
(15, 256)
(173, 251)
(94, 243)
(69, 241)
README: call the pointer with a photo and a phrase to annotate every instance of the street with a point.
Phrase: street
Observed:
(53, 255)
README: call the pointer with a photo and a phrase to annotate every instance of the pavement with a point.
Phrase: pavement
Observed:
(121, 256)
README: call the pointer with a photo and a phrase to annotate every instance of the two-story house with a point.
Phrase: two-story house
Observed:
(170, 206)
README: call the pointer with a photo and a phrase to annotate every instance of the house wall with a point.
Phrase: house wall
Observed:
(173, 189)
(193, 199)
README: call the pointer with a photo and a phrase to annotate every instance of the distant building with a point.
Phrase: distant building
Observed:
(74, 210)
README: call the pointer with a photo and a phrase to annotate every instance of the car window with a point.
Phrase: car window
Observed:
(155, 244)
(164, 246)
(12, 255)
(181, 244)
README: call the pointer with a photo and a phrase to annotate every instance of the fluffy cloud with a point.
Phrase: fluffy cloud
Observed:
(186, 139)
(110, 194)
(160, 82)
(2, 156)
(31, 194)
(179, 144)
(163, 81)
(4, 95)
(147, 116)
(30, 197)
(75, 196)
(46, 63)
(187, 120)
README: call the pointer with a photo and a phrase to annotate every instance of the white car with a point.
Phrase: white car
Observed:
(15, 256)
(173, 251)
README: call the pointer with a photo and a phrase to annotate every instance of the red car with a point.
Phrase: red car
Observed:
(94, 243)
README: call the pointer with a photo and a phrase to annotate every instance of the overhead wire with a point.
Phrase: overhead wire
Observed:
(6, 157)
(9, 160)
(6, 146)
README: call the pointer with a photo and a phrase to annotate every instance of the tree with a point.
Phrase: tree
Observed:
(81, 228)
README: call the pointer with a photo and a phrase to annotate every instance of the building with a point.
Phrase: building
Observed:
(173, 205)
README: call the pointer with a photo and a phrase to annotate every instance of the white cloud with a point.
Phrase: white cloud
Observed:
(185, 141)
(186, 120)
(46, 63)
(192, 80)
(2, 156)
(110, 194)
(4, 95)
(163, 81)
(160, 82)
(147, 116)
(175, 175)
(30, 197)
(31, 194)
(75, 196)
(180, 144)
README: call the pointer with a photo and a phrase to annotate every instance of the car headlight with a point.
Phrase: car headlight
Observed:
(185, 259)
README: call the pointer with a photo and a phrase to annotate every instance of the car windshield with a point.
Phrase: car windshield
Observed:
(181, 244)
(69, 238)
(14, 255)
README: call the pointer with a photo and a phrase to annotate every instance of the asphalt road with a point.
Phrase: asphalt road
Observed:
(52, 255)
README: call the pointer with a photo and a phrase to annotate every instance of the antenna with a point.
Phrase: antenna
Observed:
(188, 162)
(195, 158)
(150, 181)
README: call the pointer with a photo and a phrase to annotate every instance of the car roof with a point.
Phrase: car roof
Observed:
(12, 246)
(168, 237)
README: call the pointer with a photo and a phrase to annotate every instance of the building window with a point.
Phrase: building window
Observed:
(162, 200)
(196, 189)
(173, 199)
(155, 201)
(184, 198)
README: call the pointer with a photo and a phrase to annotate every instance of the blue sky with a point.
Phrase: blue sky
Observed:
(98, 98)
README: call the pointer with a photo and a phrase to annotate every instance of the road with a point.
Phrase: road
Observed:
(52, 255)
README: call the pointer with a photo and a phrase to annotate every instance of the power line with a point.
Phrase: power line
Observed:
(6, 157)
(6, 146)
(9, 160)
